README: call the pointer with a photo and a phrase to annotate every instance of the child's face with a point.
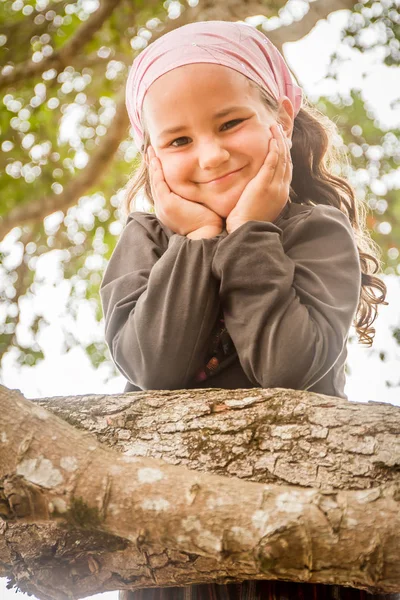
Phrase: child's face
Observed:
(207, 146)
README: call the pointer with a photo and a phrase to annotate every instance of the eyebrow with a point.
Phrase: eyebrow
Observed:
(218, 115)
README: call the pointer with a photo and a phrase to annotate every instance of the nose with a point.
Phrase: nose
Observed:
(211, 154)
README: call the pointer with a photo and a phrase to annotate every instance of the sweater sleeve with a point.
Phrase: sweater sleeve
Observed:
(160, 303)
(289, 296)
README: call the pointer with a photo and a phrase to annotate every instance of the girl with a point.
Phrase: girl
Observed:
(256, 261)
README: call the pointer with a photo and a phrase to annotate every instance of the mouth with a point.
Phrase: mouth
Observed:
(225, 177)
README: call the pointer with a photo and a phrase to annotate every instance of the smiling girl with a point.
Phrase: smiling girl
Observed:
(213, 159)
(255, 262)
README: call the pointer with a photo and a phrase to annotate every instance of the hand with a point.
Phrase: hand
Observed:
(265, 196)
(183, 216)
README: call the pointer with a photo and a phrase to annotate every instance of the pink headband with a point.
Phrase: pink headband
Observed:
(236, 45)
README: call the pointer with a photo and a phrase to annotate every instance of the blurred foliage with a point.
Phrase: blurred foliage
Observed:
(52, 122)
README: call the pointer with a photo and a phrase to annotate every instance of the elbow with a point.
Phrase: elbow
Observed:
(308, 361)
(143, 367)
(277, 374)
(137, 373)
(293, 379)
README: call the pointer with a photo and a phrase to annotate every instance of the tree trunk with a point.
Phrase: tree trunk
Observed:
(195, 486)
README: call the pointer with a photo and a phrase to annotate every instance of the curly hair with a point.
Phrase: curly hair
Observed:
(314, 157)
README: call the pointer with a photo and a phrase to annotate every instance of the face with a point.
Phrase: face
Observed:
(206, 145)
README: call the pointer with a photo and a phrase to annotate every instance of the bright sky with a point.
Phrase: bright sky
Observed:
(71, 374)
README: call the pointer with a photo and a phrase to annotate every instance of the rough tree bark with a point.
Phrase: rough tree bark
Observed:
(192, 486)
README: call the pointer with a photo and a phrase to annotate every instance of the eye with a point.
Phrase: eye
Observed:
(235, 121)
(177, 140)
(230, 123)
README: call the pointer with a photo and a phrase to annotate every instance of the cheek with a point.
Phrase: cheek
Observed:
(178, 174)
(251, 147)
(258, 147)
(178, 177)
(171, 170)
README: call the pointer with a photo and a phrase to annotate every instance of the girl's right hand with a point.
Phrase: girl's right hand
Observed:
(183, 216)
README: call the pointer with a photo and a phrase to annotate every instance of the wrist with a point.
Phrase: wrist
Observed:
(231, 226)
(206, 232)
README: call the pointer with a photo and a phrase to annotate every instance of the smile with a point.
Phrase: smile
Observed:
(224, 177)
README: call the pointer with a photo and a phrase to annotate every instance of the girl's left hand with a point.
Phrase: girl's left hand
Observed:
(265, 196)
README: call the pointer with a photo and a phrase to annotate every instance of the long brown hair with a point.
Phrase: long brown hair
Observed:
(314, 157)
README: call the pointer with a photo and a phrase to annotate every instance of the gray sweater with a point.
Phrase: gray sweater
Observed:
(288, 290)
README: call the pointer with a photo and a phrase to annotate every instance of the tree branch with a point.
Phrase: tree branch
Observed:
(92, 174)
(233, 10)
(176, 524)
(274, 436)
(319, 9)
(62, 57)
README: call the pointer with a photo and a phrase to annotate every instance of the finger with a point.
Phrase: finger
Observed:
(287, 143)
(151, 175)
(267, 170)
(157, 179)
(289, 167)
(289, 163)
(150, 152)
(283, 156)
(149, 155)
(286, 161)
(283, 159)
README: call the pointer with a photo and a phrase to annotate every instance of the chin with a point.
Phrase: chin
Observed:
(221, 208)
(223, 203)
(224, 212)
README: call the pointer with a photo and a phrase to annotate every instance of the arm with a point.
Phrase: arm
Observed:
(289, 297)
(160, 303)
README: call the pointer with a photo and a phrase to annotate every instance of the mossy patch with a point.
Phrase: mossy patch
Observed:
(83, 516)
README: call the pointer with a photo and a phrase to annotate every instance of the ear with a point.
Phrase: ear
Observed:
(286, 116)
